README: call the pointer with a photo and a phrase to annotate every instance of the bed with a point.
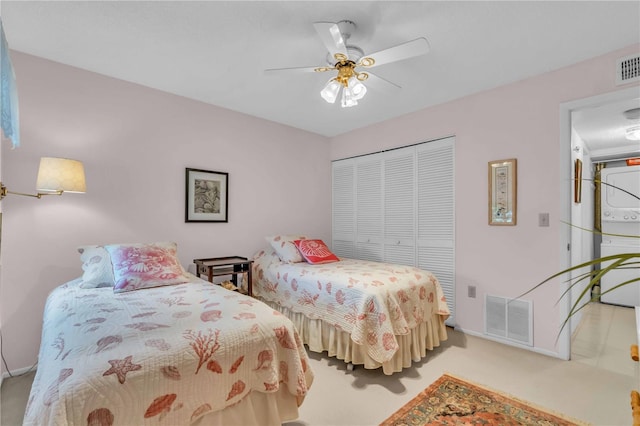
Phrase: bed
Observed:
(183, 353)
(378, 315)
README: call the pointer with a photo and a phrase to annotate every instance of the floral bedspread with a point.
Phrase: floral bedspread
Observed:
(374, 302)
(161, 356)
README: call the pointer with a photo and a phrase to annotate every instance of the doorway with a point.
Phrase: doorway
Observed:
(586, 129)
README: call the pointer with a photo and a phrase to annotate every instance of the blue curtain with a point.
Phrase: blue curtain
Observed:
(9, 94)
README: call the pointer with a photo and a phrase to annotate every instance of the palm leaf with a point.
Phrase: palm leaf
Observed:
(618, 261)
(591, 277)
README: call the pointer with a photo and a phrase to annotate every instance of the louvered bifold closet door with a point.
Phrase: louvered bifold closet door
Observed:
(369, 199)
(436, 215)
(399, 206)
(343, 208)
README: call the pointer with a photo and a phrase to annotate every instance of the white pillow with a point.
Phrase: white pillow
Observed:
(97, 268)
(285, 248)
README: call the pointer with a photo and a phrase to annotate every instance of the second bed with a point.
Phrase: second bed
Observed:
(365, 313)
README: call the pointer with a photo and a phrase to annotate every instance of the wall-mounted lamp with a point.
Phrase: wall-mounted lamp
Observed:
(55, 176)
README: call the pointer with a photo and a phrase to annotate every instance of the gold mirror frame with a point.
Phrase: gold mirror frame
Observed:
(503, 192)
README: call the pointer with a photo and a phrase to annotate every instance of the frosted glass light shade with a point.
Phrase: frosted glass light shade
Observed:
(358, 90)
(348, 100)
(330, 91)
(60, 174)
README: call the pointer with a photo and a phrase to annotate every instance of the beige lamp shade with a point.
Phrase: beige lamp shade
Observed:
(60, 175)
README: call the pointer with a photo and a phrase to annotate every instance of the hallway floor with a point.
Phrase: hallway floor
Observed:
(602, 338)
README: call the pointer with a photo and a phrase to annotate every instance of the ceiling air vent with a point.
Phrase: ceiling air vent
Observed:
(628, 69)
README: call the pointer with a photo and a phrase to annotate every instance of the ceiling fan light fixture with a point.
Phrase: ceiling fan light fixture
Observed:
(347, 59)
(330, 91)
(348, 99)
(358, 90)
(633, 133)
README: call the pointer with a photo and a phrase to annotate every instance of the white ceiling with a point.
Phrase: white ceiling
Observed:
(603, 128)
(216, 51)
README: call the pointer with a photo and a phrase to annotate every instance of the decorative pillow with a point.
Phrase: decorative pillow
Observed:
(285, 248)
(315, 251)
(137, 266)
(266, 254)
(96, 265)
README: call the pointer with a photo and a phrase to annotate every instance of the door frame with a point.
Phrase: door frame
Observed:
(568, 238)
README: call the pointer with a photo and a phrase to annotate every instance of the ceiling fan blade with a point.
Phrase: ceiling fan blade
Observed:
(331, 37)
(380, 84)
(417, 47)
(297, 70)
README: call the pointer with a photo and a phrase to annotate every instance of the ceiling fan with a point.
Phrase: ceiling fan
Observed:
(347, 60)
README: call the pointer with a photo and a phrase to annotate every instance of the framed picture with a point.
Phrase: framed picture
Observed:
(502, 192)
(577, 181)
(207, 196)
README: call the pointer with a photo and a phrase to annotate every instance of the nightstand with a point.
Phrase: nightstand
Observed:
(219, 266)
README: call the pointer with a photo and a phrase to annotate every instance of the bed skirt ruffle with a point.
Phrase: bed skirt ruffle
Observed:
(320, 337)
(257, 408)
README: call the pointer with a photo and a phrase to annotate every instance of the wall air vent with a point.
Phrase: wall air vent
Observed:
(628, 69)
(509, 319)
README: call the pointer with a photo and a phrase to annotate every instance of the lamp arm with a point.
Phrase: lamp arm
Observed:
(4, 191)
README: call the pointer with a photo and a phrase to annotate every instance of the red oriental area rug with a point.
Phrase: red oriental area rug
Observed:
(453, 401)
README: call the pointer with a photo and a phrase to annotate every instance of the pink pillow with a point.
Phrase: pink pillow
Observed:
(284, 247)
(137, 266)
(315, 251)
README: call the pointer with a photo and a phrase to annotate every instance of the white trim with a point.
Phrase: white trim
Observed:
(566, 204)
(508, 342)
(564, 340)
(18, 372)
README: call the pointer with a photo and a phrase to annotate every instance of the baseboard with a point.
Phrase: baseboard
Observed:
(510, 343)
(18, 372)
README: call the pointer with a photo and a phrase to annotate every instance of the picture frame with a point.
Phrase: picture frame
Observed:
(577, 181)
(503, 192)
(207, 196)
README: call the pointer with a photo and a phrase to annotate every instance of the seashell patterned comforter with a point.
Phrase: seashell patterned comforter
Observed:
(162, 356)
(373, 302)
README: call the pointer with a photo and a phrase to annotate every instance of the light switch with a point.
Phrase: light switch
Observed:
(543, 219)
(471, 291)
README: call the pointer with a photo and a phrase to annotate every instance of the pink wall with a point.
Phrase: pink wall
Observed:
(135, 143)
(520, 121)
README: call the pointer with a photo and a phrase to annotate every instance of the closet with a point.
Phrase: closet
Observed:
(398, 206)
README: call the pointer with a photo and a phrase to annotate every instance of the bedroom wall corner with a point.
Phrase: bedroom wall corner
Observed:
(135, 143)
(519, 120)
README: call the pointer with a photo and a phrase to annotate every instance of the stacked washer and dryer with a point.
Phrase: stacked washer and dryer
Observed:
(620, 215)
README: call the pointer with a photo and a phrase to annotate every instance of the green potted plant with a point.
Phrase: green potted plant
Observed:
(592, 277)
